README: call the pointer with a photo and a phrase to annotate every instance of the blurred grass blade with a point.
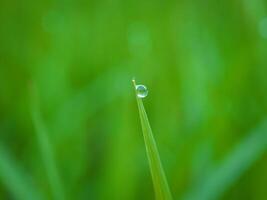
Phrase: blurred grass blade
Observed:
(15, 180)
(162, 191)
(74, 112)
(233, 167)
(46, 149)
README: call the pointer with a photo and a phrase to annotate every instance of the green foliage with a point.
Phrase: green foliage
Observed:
(162, 191)
(46, 150)
(205, 64)
(15, 179)
(223, 176)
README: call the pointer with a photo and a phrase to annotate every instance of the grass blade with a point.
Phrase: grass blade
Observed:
(17, 181)
(162, 191)
(46, 149)
(243, 156)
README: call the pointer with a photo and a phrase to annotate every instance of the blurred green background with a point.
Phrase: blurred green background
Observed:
(69, 124)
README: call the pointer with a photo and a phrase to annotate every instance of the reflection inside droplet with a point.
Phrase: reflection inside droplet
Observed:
(141, 91)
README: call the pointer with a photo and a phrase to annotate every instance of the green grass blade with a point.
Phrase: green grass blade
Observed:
(161, 187)
(73, 113)
(46, 150)
(17, 182)
(243, 156)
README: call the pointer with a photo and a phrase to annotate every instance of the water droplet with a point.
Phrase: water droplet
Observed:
(141, 91)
